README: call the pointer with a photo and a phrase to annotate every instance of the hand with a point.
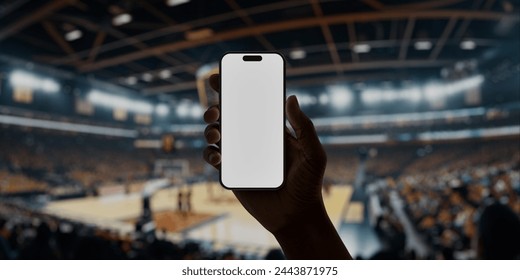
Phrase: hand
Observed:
(305, 165)
(298, 203)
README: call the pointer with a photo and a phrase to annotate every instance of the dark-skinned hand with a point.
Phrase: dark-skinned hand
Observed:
(284, 211)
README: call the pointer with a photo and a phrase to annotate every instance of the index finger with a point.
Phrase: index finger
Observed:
(212, 114)
(214, 82)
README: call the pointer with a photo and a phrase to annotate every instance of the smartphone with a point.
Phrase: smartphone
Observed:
(252, 120)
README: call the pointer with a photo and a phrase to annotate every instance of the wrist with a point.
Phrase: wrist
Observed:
(304, 221)
(311, 235)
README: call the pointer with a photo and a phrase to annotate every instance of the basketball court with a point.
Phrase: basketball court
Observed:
(216, 216)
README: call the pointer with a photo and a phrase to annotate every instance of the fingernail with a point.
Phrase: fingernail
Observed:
(296, 100)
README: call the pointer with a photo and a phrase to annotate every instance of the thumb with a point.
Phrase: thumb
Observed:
(304, 129)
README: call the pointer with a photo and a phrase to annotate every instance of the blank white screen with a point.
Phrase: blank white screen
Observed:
(252, 121)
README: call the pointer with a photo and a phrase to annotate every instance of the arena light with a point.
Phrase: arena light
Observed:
(433, 91)
(131, 80)
(173, 3)
(196, 111)
(412, 94)
(361, 120)
(465, 84)
(361, 48)
(65, 126)
(114, 101)
(50, 86)
(147, 77)
(192, 129)
(121, 19)
(21, 78)
(297, 54)
(165, 74)
(183, 109)
(370, 96)
(354, 139)
(446, 135)
(73, 35)
(500, 131)
(324, 99)
(162, 109)
(423, 45)
(340, 96)
(141, 107)
(392, 118)
(468, 45)
(389, 95)
(462, 85)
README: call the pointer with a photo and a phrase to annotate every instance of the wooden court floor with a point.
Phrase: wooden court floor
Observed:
(230, 224)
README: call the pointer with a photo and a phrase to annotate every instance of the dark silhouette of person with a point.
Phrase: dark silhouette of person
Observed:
(498, 233)
(295, 213)
(41, 248)
(180, 203)
(187, 197)
(274, 254)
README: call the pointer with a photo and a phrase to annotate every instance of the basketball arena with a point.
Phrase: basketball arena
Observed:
(416, 103)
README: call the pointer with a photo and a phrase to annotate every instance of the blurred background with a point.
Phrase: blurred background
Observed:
(416, 102)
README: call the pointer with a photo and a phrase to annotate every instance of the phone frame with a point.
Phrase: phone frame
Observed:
(283, 119)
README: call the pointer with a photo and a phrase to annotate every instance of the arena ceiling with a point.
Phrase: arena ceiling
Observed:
(157, 47)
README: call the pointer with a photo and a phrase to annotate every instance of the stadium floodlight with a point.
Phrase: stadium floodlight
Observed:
(468, 45)
(297, 54)
(140, 107)
(393, 118)
(340, 96)
(370, 96)
(355, 139)
(165, 74)
(324, 98)
(389, 95)
(183, 109)
(361, 48)
(114, 101)
(21, 78)
(465, 84)
(471, 82)
(68, 126)
(48, 85)
(412, 94)
(196, 111)
(172, 3)
(121, 19)
(459, 65)
(474, 81)
(162, 109)
(73, 35)
(423, 45)
(433, 91)
(147, 77)
(131, 80)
